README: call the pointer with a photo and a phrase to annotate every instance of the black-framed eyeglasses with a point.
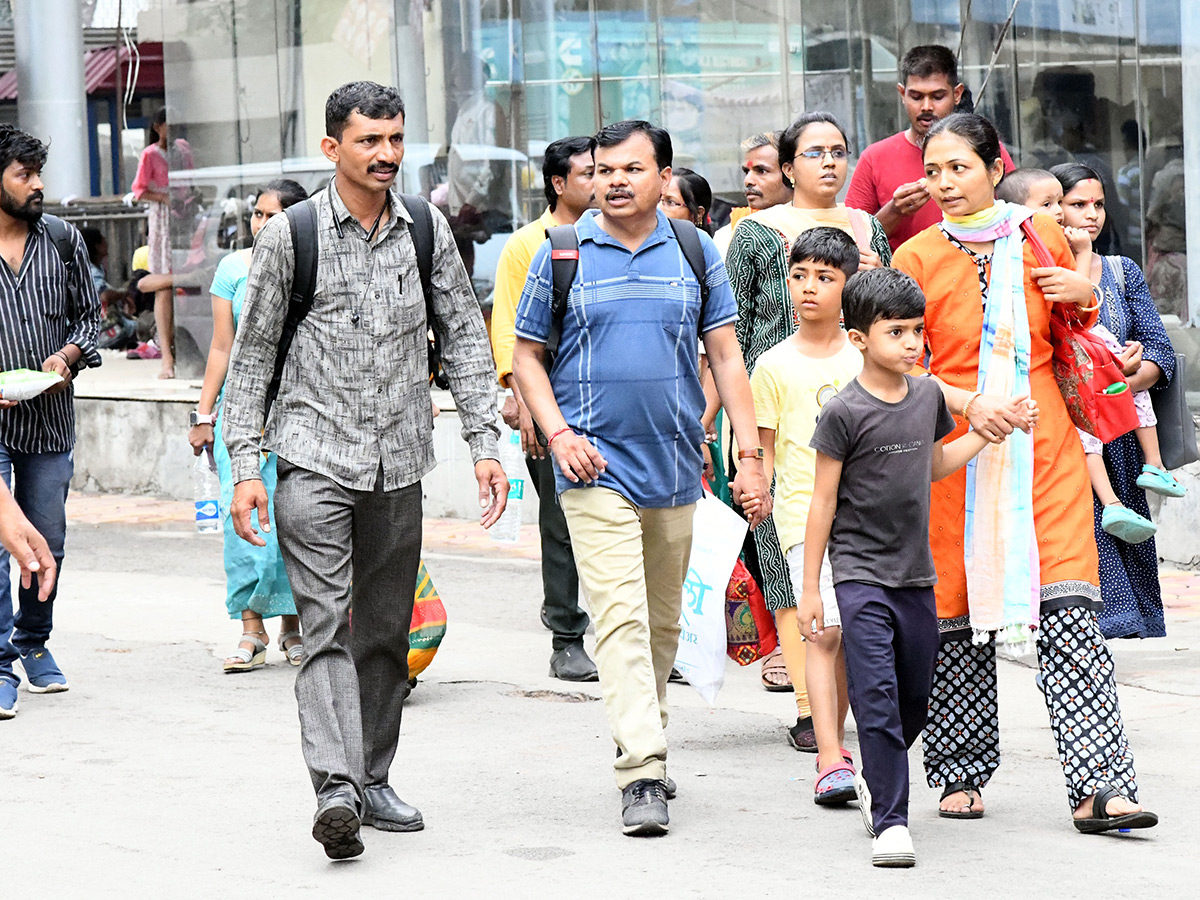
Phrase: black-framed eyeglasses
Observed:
(838, 153)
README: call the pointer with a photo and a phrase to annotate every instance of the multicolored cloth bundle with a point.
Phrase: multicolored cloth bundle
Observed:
(428, 624)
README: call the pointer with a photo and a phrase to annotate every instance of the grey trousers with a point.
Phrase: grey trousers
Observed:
(342, 549)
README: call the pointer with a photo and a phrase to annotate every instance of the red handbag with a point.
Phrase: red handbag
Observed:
(749, 625)
(1089, 376)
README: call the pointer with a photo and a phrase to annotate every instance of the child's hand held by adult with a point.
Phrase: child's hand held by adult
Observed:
(995, 418)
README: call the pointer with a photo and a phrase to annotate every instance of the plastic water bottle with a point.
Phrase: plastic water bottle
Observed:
(512, 460)
(207, 491)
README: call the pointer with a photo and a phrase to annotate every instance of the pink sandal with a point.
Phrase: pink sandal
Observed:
(835, 784)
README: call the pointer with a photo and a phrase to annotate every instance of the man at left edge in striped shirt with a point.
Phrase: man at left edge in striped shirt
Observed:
(49, 321)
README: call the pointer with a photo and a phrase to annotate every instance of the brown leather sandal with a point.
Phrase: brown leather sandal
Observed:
(774, 673)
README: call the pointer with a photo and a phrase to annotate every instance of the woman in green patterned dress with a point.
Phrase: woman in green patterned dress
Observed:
(813, 155)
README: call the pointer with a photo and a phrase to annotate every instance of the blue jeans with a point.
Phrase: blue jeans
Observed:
(42, 480)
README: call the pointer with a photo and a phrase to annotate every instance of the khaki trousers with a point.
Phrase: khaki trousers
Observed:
(632, 563)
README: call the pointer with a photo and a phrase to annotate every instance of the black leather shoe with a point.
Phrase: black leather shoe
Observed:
(387, 812)
(644, 809)
(572, 663)
(336, 826)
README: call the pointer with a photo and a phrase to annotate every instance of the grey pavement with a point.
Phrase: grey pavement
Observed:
(158, 776)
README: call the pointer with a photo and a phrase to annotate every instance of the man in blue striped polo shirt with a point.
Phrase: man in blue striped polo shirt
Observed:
(621, 408)
(49, 320)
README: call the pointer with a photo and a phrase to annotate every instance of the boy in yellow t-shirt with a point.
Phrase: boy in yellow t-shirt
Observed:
(791, 382)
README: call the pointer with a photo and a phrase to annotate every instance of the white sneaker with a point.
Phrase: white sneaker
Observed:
(864, 801)
(893, 849)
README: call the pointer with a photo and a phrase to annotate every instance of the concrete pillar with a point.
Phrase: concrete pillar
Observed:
(51, 101)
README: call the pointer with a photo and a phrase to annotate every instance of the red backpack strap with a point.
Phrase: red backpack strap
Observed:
(1041, 252)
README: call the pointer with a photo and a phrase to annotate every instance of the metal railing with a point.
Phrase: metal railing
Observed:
(123, 226)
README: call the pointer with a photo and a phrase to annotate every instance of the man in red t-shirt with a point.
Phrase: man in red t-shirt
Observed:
(889, 180)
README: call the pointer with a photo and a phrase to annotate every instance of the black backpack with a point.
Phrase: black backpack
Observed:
(564, 261)
(302, 220)
(60, 235)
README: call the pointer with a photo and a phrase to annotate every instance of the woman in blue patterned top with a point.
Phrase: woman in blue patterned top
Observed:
(256, 582)
(1128, 572)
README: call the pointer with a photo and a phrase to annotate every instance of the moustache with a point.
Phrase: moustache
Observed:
(383, 167)
(35, 197)
(753, 192)
(619, 193)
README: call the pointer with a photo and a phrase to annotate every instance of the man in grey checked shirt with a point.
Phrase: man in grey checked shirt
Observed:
(352, 426)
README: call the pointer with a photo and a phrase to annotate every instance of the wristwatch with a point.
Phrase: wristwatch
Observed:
(196, 418)
(756, 453)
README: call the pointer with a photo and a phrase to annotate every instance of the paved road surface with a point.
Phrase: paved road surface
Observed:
(158, 776)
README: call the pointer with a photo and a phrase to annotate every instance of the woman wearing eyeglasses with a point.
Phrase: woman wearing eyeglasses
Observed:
(688, 197)
(813, 155)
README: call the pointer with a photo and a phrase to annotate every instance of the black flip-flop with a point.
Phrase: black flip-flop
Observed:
(971, 791)
(1101, 821)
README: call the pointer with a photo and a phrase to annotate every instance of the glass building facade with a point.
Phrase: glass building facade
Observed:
(488, 83)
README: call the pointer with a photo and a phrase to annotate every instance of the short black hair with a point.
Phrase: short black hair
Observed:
(375, 101)
(696, 193)
(882, 293)
(289, 192)
(1016, 185)
(620, 132)
(20, 146)
(556, 162)
(929, 60)
(1070, 174)
(92, 239)
(789, 138)
(828, 245)
(979, 133)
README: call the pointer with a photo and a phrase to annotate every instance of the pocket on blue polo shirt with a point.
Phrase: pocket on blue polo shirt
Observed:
(681, 311)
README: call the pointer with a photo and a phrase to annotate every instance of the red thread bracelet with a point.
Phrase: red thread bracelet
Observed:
(556, 434)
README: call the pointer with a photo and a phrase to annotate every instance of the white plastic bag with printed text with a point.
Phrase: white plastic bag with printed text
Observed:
(717, 536)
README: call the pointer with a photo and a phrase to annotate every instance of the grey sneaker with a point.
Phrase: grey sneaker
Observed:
(644, 809)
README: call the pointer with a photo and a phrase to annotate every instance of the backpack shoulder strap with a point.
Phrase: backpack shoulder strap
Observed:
(302, 223)
(1118, 273)
(422, 235)
(1041, 252)
(60, 234)
(693, 251)
(564, 262)
(422, 238)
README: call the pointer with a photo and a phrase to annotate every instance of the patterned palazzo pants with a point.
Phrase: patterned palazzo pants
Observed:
(962, 737)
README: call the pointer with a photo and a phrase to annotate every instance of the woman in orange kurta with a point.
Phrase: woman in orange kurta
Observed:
(953, 262)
